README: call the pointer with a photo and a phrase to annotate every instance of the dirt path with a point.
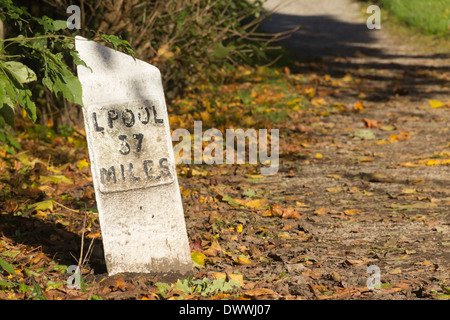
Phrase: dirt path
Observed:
(377, 193)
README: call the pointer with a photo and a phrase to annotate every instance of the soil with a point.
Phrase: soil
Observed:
(380, 207)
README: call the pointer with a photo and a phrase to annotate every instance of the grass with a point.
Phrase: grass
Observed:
(431, 17)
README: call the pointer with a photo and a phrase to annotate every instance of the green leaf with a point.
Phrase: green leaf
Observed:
(249, 193)
(11, 254)
(44, 205)
(55, 179)
(365, 134)
(7, 284)
(7, 267)
(37, 292)
(24, 98)
(23, 287)
(221, 52)
(184, 285)
(59, 24)
(162, 288)
(21, 73)
(7, 113)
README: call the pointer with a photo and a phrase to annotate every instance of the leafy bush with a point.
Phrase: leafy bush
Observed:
(186, 40)
(32, 59)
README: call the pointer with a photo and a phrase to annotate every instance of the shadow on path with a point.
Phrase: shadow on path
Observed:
(374, 57)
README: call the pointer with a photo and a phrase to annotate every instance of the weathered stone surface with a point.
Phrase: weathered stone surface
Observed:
(132, 163)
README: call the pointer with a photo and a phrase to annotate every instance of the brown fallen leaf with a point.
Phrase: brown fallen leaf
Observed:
(285, 213)
(403, 135)
(291, 213)
(370, 123)
(260, 292)
(277, 210)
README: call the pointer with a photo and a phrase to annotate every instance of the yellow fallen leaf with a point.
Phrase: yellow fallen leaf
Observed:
(44, 205)
(334, 190)
(318, 102)
(310, 92)
(40, 215)
(294, 101)
(380, 142)
(93, 235)
(239, 228)
(410, 191)
(82, 163)
(436, 103)
(55, 179)
(392, 138)
(243, 260)
(218, 275)
(237, 277)
(321, 211)
(163, 51)
(359, 105)
(318, 156)
(256, 204)
(396, 271)
(352, 211)
(334, 176)
(198, 257)
(301, 204)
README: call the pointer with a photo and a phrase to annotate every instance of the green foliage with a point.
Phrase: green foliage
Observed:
(35, 56)
(206, 287)
(187, 40)
(7, 267)
(432, 17)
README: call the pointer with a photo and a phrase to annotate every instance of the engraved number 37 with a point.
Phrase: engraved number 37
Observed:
(125, 146)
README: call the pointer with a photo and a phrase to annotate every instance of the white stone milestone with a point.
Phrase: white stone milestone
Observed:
(132, 163)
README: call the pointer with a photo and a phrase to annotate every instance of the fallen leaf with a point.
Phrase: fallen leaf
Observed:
(291, 213)
(44, 205)
(260, 292)
(277, 210)
(321, 211)
(243, 260)
(82, 163)
(257, 203)
(55, 179)
(395, 271)
(387, 128)
(218, 275)
(370, 123)
(301, 204)
(409, 191)
(436, 103)
(359, 105)
(236, 277)
(352, 211)
(365, 134)
(403, 135)
(198, 257)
